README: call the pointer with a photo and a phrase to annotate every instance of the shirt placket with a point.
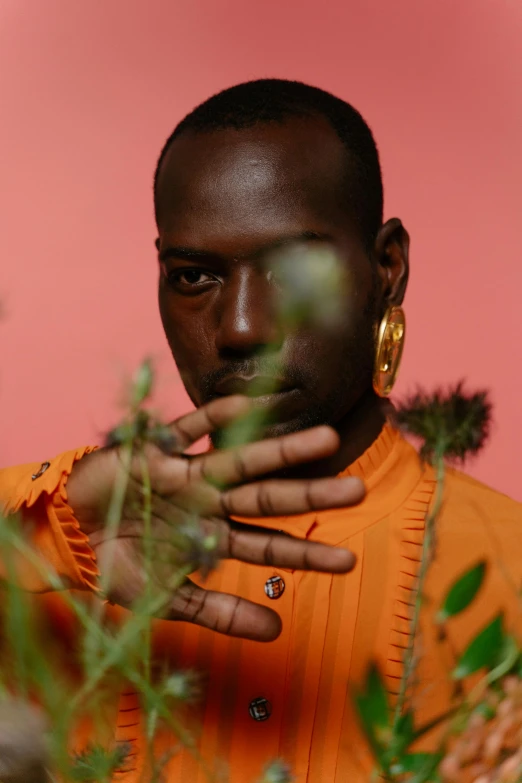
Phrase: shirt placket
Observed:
(261, 675)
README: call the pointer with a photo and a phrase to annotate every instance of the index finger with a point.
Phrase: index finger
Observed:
(214, 415)
(283, 551)
(242, 464)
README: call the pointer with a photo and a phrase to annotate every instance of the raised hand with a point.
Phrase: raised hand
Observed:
(213, 487)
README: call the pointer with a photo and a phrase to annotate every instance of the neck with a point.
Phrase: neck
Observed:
(358, 429)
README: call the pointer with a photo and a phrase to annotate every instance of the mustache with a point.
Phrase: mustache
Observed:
(264, 366)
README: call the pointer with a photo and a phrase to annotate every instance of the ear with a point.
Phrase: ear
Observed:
(391, 253)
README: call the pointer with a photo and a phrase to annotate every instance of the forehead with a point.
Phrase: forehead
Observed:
(267, 179)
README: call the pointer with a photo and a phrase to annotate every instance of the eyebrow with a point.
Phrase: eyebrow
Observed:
(191, 253)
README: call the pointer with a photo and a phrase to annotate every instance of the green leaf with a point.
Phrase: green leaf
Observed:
(506, 660)
(374, 714)
(485, 710)
(462, 593)
(423, 763)
(403, 733)
(482, 650)
(375, 699)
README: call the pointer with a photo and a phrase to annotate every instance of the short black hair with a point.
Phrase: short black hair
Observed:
(274, 100)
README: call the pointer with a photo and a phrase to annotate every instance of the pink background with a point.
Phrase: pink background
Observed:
(89, 90)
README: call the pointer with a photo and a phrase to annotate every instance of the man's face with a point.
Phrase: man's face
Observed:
(232, 206)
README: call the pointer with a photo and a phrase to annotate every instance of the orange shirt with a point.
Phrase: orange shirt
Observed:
(289, 699)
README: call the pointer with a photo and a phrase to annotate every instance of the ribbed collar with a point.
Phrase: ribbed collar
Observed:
(375, 456)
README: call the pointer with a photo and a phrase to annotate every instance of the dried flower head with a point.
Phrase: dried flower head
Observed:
(23, 753)
(450, 423)
(489, 747)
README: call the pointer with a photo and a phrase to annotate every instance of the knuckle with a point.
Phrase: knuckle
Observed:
(225, 501)
(269, 551)
(264, 499)
(241, 466)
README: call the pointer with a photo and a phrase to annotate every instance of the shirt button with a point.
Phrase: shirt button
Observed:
(260, 709)
(274, 587)
(43, 467)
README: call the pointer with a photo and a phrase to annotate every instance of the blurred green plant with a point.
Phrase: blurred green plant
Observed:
(308, 285)
(477, 743)
(107, 654)
(97, 764)
(277, 772)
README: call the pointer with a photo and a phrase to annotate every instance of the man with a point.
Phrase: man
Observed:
(258, 170)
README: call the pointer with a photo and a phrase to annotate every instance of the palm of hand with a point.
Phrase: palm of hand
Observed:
(191, 501)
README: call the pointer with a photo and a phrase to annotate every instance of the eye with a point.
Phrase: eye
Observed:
(189, 280)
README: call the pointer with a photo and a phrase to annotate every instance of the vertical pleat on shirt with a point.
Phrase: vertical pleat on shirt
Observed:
(190, 647)
(374, 606)
(223, 687)
(217, 697)
(306, 657)
(333, 683)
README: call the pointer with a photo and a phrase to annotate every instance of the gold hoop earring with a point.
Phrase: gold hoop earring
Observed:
(390, 344)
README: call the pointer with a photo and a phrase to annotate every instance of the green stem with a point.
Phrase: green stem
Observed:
(115, 510)
(129, 634)
(426, 559)
(115, 655)
(147, 634)
(91, 643)
(168, 716)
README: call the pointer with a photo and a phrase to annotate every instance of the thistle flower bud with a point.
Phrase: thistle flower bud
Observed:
(184, 686)
(119, 435)
(449, 423)
(163, 437)
(277, 772)
(97, 764)
(200, 549)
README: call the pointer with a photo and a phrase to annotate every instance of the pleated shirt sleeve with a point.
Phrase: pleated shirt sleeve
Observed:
(54, 550)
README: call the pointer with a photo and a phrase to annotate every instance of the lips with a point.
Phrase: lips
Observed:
(252, 386)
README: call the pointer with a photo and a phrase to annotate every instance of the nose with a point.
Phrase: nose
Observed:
(247, 315)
